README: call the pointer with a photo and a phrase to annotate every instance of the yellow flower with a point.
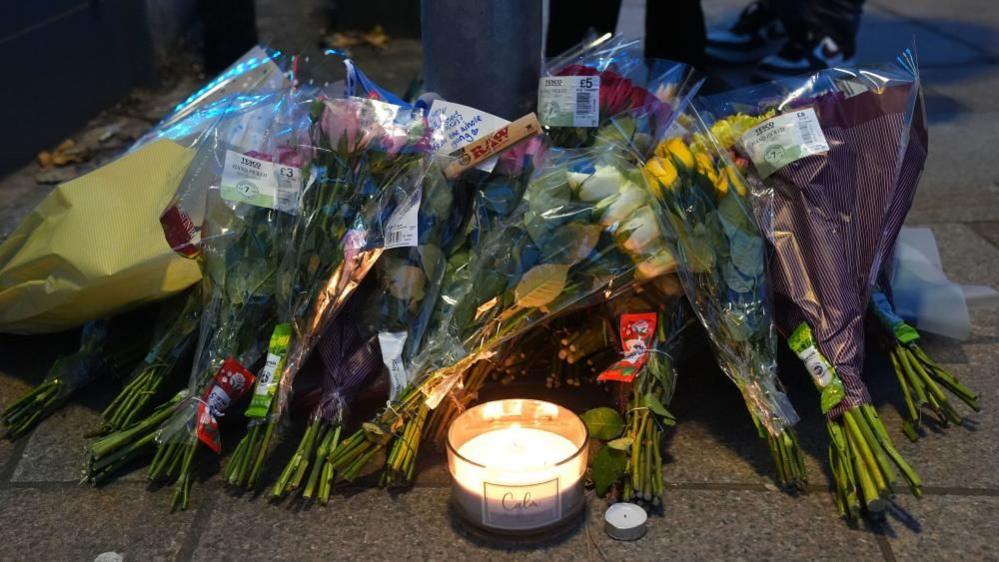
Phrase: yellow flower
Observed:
(735, 179)
(721, 185)
(723, 133)
(706, 167)
(663, 170)
(679, 150)
(652, 183)
(729, 130)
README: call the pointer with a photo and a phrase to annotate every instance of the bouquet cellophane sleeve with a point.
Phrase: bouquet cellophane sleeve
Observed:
(95, 246)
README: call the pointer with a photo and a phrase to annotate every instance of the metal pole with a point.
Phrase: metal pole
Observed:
(483, 53)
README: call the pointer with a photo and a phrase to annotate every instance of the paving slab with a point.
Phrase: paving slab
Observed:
(958, 457)
(884, 34)
(966, 257)
(24, 361)
(960, 88)
(742, 525)
(969, 22)
(945, 527)
(54, 450)
(960, 182)
(76, 523)
(368, 524)
(716, 441)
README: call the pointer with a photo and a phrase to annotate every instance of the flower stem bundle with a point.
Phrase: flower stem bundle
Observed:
(154, 372)
(107, 346)
(921, 380)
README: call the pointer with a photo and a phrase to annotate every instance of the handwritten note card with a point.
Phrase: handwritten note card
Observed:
(457, 125)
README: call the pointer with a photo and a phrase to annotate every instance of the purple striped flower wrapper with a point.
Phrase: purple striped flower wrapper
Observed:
(905, 192)
(831, 210)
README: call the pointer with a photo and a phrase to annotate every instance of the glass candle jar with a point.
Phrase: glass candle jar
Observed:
(517, 465)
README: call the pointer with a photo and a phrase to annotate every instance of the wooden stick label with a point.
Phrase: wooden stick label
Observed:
(493, 143)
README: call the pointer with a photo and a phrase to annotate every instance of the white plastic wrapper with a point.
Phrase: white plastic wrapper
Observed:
(925, 297)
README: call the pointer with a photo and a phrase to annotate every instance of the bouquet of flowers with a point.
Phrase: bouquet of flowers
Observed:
(828, 151)
(369, 162)
(349, 361)
(251, 168)
(602, 90)
(580, 228)
(394, 310)
(704, 206)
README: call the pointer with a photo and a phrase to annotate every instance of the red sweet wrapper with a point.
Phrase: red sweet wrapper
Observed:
(637, 333)
(180, 231)
(231, 382)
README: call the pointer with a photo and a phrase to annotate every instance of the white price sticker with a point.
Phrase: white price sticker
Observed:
(777, 142)
(569, 101)
(402, 228)
(267, 375)
(392, 344)
(817, 367)
(250, 180)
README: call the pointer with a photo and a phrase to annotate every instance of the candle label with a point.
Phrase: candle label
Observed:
(521, 506)
(638, 332)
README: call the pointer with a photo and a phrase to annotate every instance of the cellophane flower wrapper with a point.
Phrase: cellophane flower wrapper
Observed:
(637, 99)
(705, 207)
(368, 161)
(583, 225)
(911, 169)
(260, 69)
(242, 243)
(830, 208)
(371, 160)
(173, 339)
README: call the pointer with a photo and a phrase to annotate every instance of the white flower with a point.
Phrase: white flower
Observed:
(602, 183)
(659, 263)
(642, 229)
(618, 207)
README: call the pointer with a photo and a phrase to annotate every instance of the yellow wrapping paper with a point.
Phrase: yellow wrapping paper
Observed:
(95, 247)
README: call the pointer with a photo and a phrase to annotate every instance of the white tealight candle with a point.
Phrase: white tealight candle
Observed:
(625, 521)
(509, 476)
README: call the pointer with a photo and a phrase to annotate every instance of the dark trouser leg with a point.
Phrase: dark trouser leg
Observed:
(674, 29)
(569, 20)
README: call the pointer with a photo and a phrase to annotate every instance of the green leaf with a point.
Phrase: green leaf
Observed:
(696, 249)
(541, 285)
(432, 259)
(733, 216)
(736, 324)
(572, 243)
(603, 423)
(735, 280)
(608, 467)
(653, 403)
(747, 254)
(621, 443)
